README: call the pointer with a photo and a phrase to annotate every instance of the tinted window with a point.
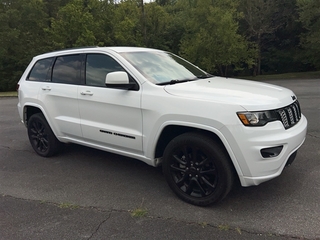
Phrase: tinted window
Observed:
(67, 69)
(40, 70)
(97, 67)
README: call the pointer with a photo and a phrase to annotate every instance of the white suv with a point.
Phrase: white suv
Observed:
(154, 106)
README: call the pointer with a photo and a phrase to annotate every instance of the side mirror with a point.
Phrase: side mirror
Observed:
(119, 80)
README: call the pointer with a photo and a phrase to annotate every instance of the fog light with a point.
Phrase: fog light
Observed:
(271, 152)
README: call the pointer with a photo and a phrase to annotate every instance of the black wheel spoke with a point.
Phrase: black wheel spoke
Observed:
(33, 130)
(186, 154)
(177, 169)
(203, 192)
(38, 144)
(179, 160)
(45, 143)
(207, 183)
(189, 188)
(34, 137)
(181, 182)
(204, 161)
(208, 172)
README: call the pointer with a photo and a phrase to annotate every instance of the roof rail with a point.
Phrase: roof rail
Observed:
(74, 48)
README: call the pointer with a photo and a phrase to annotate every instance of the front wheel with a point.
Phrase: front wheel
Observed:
(197, 169)
(41, 137)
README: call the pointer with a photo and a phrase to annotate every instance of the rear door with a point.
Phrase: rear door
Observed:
(109, 117)
(60, 95)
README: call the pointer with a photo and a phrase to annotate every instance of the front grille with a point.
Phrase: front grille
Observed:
(290, 115)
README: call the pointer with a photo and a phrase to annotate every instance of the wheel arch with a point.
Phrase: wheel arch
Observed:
(31, 109)
(171, 131)
(28, 111)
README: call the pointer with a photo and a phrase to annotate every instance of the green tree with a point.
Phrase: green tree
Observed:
(103, 14)
(73, 27)
(126, 25)
(21, 36)
(262, 19)
(177, 13)
(156, 23)
(53, 6)
(309, 16)
(212, 40)
(281, 51)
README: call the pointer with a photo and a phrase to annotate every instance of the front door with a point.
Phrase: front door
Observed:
(109, 117)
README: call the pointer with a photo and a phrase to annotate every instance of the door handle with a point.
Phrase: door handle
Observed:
(46, 88)
(89, 93)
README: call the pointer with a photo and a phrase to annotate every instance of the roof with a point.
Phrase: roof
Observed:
(117, 49)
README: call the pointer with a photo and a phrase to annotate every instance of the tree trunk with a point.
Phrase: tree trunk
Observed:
(221, 70)
(143, 24)
(259, 55)
(257, 65)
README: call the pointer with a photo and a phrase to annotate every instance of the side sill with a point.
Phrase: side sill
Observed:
(151, 162)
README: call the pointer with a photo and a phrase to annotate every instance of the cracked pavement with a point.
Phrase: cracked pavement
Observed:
(88, 194)
(26, 219)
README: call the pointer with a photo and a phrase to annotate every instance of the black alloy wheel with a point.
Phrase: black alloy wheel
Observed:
(197, 169)
(41, 137)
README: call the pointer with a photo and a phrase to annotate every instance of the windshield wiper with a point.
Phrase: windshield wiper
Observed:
(174, 81)
(205, 76)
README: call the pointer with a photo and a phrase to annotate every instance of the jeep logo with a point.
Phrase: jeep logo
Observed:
(293, 98)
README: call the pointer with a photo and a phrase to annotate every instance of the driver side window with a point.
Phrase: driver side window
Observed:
(97, 67)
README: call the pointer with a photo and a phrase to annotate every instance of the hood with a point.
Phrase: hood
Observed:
(253, 96)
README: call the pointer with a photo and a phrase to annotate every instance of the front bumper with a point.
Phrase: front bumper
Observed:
(246, 144)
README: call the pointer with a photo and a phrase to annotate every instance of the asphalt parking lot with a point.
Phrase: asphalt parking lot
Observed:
(84, 193)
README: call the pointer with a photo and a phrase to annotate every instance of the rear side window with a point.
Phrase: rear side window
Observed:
(67, 69)
(40, 70)
(98, 66)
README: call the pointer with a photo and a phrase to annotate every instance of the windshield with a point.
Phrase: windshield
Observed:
(163, 67)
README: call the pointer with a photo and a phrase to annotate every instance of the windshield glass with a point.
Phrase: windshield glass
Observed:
(163, 67)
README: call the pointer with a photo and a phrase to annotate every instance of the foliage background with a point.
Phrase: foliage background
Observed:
(224, 37)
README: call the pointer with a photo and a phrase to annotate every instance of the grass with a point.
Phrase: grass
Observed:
(8, 94)
(203, 224)
(238, 230)
(224, 227)
(139, 212)
(68, 205)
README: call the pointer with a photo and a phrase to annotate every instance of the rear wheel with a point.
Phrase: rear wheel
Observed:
(41, 137)
(197, 169)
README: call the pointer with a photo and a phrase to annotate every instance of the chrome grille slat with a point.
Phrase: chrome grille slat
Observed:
(295, 112)
(290, 115)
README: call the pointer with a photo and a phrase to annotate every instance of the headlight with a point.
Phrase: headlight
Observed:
(257, 118)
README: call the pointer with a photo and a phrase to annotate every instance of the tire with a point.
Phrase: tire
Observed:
(41, 137)
(197, 169)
